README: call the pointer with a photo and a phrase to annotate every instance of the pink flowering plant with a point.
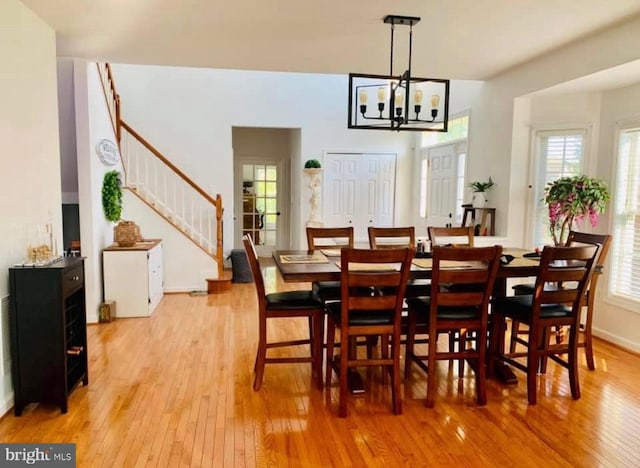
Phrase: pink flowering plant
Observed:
(571, 200)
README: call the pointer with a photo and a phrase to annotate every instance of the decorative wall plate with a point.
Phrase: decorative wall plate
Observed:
(108, 152)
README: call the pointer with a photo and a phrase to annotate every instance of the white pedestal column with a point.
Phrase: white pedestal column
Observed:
(315, 187)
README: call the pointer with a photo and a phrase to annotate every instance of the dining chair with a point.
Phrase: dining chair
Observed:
(397, 237)
(569, 267)
(288, 304)
(454, 236)
(574, 237)
(358, 314)
(450, 310)
(332, 239)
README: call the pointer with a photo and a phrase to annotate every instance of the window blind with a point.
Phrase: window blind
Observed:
(560, 154)
(625, 247)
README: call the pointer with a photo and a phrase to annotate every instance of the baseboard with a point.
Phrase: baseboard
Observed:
(616, 340)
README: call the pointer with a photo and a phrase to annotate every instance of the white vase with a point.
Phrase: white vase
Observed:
(479, 200)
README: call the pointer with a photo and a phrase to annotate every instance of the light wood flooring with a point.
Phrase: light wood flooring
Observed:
(175, 389)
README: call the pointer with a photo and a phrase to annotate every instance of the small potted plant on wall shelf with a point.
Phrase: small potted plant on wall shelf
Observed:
(479, 192)
(312, 164)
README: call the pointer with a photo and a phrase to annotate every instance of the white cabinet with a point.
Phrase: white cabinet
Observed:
(133, 278)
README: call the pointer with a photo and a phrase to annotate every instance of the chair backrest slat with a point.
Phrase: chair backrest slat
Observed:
(482, 268)
(333, 238)
(358, 283)
(571, 267)
(391, 237)
(456, 236)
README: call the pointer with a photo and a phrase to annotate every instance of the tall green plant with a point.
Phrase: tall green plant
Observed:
(112, 196)
(571, 199)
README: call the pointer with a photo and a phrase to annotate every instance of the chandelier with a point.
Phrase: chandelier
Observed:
(397, 102)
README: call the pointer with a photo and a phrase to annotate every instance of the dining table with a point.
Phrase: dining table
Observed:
(324, 265)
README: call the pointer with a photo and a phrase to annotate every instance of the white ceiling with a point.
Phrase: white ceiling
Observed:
(457, 39)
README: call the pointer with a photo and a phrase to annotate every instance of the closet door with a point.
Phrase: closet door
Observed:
(359, 191)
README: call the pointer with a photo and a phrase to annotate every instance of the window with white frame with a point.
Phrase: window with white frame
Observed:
(457, 129)
(560, 153)
(624, 280)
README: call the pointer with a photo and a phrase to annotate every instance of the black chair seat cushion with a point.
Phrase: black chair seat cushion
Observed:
(523, 289)
(418, 287)
(293, 300)
(326, 290)
(423, 304)
(519, 308)
(377, 317)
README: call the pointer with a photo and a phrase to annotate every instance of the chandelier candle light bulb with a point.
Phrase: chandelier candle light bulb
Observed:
(363, 96)
(382, 94)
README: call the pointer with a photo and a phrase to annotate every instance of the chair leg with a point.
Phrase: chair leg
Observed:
(515, 329)
(462, 345)
(261, 357)
(331, 337)
(431, 374)
(409, 344)
(481, 370)
(546, 340)
(496, 344)
(316, 344)
(396, 386)
(588, 337)
(533, 360)
(344, 373)
(384, 354)
(574, 380)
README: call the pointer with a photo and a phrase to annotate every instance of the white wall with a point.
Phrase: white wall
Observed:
(29, 147)
(92, 124)
(188, 114)
(500, 138)
(492, 151)
(614, 321)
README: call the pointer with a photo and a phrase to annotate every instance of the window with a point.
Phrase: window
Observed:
(457, 129)
(560, 154)
(625, 245)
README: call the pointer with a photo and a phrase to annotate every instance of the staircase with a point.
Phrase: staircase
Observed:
(166, 189)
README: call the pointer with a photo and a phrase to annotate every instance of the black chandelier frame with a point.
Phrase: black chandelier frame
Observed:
(394, 109)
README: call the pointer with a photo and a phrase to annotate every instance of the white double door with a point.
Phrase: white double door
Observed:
(359, 191)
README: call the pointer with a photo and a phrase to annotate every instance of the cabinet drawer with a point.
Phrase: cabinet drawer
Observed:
(72, 280)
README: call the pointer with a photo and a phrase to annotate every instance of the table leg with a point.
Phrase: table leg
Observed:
(501, 371)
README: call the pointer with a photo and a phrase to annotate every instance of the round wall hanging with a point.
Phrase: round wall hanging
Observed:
(108, 152)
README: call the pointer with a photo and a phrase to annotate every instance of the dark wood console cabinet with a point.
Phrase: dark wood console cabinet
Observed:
(48, 332)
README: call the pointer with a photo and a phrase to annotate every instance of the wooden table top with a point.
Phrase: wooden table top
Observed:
(329, 271)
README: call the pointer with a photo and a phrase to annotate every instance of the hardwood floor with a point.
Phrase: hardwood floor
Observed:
(175, 389)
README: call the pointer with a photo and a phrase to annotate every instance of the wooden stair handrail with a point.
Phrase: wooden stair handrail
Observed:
(112, 99)
(168, 163)
(115, 97)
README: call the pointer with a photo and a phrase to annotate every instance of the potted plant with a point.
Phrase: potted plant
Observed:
(312, 164)
(125, 233)
(479, 190)
(572, 199)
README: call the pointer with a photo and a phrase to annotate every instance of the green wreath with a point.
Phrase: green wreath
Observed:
(112, 196)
